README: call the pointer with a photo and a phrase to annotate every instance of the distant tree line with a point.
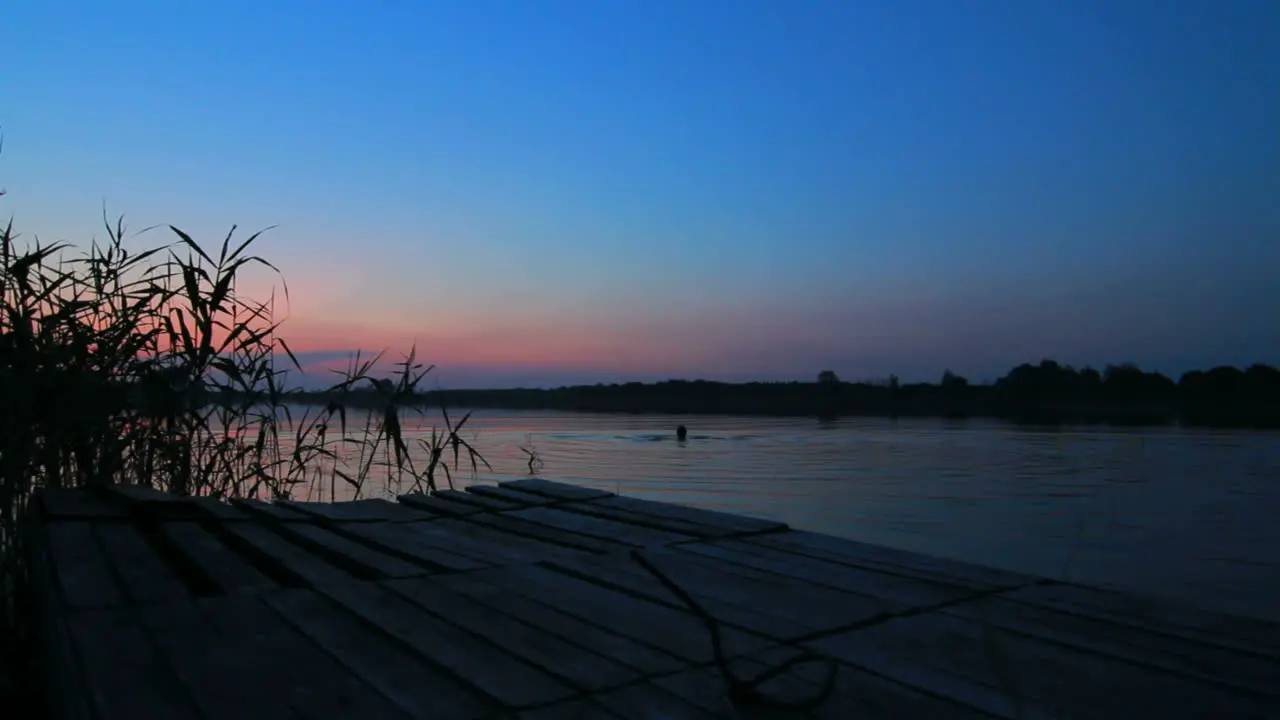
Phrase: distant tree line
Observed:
(1044, 393)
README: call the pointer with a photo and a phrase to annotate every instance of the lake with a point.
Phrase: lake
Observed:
(1190, 515)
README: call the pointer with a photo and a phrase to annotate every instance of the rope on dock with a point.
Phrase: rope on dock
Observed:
(747, 692)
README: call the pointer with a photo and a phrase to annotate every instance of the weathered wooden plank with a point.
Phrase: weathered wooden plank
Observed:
(572, 663)
(644, 658)
(483, 502)
(896, 592)
(271, 511)
(288, 558)
(1231, 631)
(220, 509)
(80, 504)
(1211, 663)
(783, 611)
(80, 566)
(123, 675)
(145, 501)
(677, 632)
(555, 490)
(597, 508)
(356, 558)
(491, 546)
(581, 709)
(56, 651)
(483, 665)
(438, 506)
(505, 523)
(646, 701)
(141, 493)
(399, 539)
(224, 567)
(367, 510)
(598, 527)
(516, 497)
(886, 559)
(145, 575)
(856, 693)
(621, 574)
(237, 658)
(1017, 676)
(415, 686)
(722, 521)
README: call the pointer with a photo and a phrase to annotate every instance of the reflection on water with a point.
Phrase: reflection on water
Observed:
(1190, 515)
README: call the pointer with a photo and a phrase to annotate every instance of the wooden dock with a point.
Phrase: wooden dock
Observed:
(529, 600)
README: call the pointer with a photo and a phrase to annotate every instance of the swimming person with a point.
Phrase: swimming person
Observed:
(681, 433)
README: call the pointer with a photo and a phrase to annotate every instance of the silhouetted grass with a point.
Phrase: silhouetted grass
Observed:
(149, 368)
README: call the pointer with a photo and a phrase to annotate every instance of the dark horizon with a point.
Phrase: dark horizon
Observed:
(1042, 393)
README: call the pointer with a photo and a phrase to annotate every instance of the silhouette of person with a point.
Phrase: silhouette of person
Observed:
(681, 433)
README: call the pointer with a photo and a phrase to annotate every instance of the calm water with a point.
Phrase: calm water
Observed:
(1189, 515)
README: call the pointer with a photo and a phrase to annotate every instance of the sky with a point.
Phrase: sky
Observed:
(563, 191)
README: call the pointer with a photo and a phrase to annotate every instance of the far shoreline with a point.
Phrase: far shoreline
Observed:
(1043, 394)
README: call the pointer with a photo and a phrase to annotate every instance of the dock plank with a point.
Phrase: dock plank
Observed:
(220, 509)
(416, 687)
(597, 527)
(895, 592)
(644, 658)
(1213, 628)
(224, 567)
(234, 655)
(486, 544)
(485, 666)
(367, 510)
(1017, 676)
(146, 577)
(886, 559)
(503, 522)
(624, 576)
(597, 508)
(289, 558)
(777, 607)
(516, 497)
(855, 694)
(555, 490)
(552, 654)
(647, 700)
(273, 511)
(123, 675)
(1199, 661)
(80, 566)
(56, 650)
(400, 539)
(580, 709)
(439, 506)
(481, 501)
(677, 632)
(359, 559)
(722, 522)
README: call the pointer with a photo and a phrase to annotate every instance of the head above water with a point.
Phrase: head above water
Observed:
(682, 432)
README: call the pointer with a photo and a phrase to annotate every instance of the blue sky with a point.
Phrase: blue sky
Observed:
(553, 191)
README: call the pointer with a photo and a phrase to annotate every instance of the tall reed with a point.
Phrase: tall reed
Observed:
(149, 368)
